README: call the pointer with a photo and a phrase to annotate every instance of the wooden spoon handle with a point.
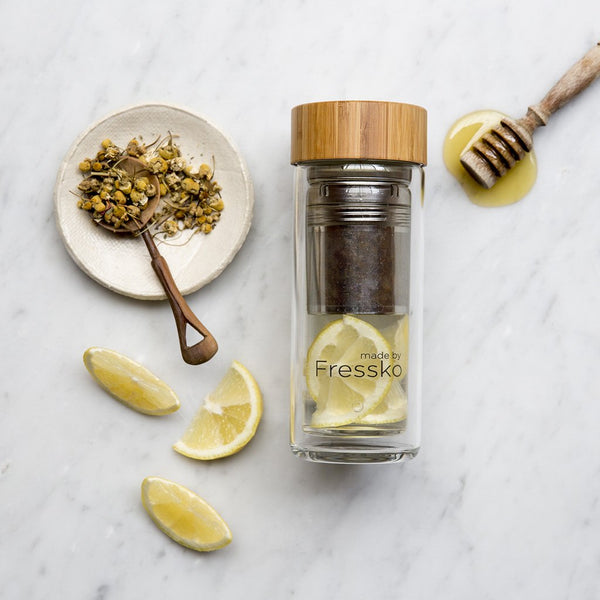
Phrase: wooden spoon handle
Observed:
(206, 348)
(575, 80)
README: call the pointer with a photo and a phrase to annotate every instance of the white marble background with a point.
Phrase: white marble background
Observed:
(504, 500)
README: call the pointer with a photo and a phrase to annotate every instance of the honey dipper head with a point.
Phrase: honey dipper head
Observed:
(496, 152)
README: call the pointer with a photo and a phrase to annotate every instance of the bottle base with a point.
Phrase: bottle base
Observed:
(353, 455)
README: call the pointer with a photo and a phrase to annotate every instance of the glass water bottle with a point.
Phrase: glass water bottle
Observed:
(357, 306)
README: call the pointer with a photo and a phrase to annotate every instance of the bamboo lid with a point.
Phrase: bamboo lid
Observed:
(359, 130)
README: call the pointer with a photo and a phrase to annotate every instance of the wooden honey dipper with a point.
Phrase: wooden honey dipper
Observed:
(496, 152)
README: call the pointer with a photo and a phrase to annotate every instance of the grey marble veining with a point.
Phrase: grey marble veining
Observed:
(503, 500)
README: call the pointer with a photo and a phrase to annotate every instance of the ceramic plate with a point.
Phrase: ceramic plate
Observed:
(121, 262)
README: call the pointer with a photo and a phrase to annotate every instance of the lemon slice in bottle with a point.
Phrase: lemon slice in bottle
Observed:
(184, 516)
(397, 337)
(129, 382)
(392, 409)
(227, 419)
(343, 371)
(394, 406)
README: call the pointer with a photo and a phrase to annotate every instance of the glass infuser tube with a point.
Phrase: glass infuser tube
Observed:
(357, 314)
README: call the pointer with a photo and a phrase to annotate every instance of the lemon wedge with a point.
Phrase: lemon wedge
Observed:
(227, 419)
(129, 382)
(184, 516)
(343, 371)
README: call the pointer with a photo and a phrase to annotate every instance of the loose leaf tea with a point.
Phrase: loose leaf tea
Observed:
(190, 198)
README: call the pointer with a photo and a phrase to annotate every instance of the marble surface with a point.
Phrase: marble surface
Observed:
(503, 500)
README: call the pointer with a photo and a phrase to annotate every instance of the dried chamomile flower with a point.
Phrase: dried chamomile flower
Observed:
(158, 165)
(169, 150)
(120, 197)
(124, 186)
(170, 227)
(217, 204)
(112, 153)
(135, 149)
(205, 171)
(172, 180)
(189, 185)
(141, 183)
(177, 164)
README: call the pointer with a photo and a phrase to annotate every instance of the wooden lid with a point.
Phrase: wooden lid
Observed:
(359, 130)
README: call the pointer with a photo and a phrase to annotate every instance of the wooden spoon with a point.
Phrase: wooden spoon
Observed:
(206, 348)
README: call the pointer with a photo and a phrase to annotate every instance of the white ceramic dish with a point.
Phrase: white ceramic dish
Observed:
(121, 262)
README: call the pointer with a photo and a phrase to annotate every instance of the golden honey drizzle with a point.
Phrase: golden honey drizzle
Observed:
(508, 189)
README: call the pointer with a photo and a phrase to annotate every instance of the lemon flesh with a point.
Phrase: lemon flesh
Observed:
(129, 382)
(338, 365)
(184, 516)
(227, 420)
